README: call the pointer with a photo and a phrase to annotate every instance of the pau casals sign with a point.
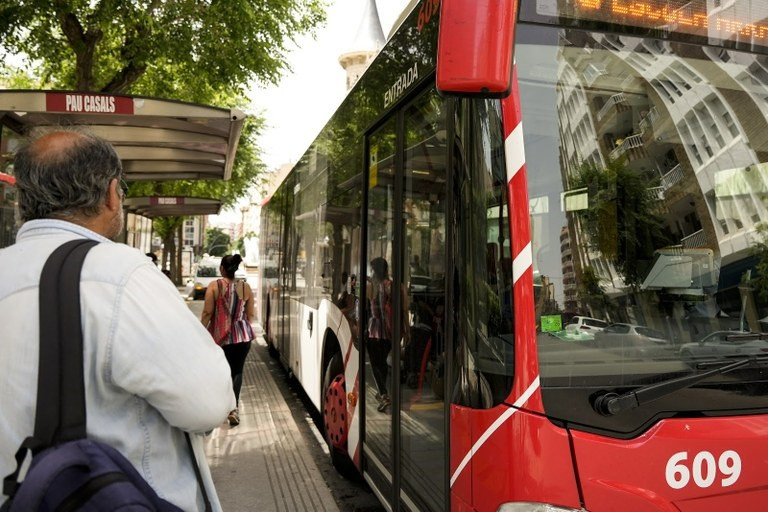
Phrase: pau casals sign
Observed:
(83, 103)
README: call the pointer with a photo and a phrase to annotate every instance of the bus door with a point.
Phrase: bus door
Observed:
(405, 431)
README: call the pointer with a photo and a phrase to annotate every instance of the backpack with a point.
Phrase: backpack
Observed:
(69, 472)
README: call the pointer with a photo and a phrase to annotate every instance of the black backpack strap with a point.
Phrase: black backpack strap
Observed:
(60, 410)
(198, 474)
(60, 414)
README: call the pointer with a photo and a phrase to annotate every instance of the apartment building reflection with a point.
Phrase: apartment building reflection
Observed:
(691, 121)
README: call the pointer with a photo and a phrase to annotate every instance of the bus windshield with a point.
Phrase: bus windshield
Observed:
(647, 162)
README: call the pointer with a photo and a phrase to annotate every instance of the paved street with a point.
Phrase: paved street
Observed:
(276, 459)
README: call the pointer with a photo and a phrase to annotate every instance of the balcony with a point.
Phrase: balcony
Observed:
(648, 121)
(611, 104)
(657, 193)
(628, 144)
(593, 72)
(697, 239)
(672, 177)
(582, 55)
(627, 82)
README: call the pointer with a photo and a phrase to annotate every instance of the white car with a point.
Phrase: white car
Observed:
(723, 344)
(206, 271)
(632, 340)
(586, 324)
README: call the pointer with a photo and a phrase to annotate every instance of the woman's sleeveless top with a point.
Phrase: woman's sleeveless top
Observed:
(230, 302)
(380, 323)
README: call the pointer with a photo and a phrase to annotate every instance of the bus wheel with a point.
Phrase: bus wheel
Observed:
(336, 417)
(273, 353)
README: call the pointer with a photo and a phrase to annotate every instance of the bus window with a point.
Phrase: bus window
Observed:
(485, 355)
(423, 436)
(379, 248)
(653, 176)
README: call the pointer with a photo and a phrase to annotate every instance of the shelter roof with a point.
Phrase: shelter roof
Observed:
(156, 139)
(153, 206)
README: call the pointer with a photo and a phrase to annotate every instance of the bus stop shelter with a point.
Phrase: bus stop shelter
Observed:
(155, 139)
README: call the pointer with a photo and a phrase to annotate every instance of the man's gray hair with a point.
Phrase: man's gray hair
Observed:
(70, 181)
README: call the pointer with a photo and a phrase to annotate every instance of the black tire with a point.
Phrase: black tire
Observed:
(335, 411)
(272, 350)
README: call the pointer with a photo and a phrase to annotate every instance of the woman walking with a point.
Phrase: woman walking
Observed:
(227, 314)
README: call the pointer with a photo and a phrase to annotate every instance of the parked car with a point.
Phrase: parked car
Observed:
(632, 340)
(586, 324)
(205, 272)
(723, 344)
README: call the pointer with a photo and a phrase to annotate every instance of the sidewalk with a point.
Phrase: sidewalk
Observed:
(264, 463)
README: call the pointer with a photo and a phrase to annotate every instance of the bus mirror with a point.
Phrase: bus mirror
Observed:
(475, 47)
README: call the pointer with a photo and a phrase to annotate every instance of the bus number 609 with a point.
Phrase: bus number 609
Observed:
(703, 468)
(426, 11)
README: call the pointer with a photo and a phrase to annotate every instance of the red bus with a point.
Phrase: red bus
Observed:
(618, 176)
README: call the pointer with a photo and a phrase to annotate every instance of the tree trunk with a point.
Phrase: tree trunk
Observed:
(169, 250)
(177, 275)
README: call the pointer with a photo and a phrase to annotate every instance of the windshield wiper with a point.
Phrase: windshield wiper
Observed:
(609, 404)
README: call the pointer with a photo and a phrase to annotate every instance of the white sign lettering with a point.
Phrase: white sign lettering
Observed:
(402, 83)
(89, 103)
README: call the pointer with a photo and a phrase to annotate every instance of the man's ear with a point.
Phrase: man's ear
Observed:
(113, 200)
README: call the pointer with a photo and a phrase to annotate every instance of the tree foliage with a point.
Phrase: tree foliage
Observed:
(248, 171)
(202, 52)
(592, 293)
(189, 50)
(622, 219)
(216, 242)
(185, 49)
(760, 252)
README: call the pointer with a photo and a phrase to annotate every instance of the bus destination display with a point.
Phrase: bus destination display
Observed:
(739, 20)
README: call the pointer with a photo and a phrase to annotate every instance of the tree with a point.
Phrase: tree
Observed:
(216, 242)
(166, 228)
(760, 253)
(201, 52)
(183, 49)
(593, 295)
(621, 220)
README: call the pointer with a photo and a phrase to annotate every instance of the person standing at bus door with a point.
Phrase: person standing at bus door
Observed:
(347, 303)
(380, 318)
(228, 313)
(150, 370)
(379, 299)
